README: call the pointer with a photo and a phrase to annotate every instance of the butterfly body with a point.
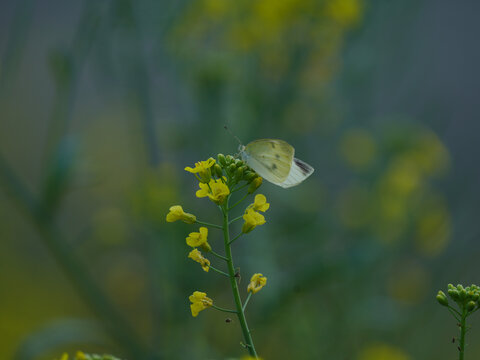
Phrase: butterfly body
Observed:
(274, 160)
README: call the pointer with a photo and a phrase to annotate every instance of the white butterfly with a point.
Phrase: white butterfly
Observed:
(273, 160)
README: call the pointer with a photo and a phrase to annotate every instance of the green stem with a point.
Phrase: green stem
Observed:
(224, 310)
(219, 271)
(208, 224)
(238, 202)
(218, 255)
(237, 218)
(247, 300)
(235, 238)
(463, 328)
(240, 188)
(233, 282)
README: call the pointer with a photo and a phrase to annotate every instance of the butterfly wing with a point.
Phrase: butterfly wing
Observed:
(299, 171)
(272, 159)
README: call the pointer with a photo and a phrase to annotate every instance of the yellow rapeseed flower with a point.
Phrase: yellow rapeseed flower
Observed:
(252, 220)
(199, 239)
(199, 301)
(216, 190)
(177, 213)
(260, 203)
(64, 356)
(197, 256)
(202, 170)
(81, 356)
(257, 282)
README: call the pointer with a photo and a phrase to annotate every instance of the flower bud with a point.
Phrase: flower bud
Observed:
(463, 294)
(454, 294)
(218, 170)
(228, 160)
(255, 184)
(231, 169)
(442, 298)
(471, 306)
(238, 162)
(221, 159)
(239, 172)
(249, 176)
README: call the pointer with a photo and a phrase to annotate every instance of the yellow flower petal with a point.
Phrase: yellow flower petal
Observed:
(257, 282)
(199, 301)
(252, 220)
(216, 190)
(177, 213)
(197, 256)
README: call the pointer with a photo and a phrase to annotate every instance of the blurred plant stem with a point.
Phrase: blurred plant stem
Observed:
(18, 35)
(233, 282)
(71, 264)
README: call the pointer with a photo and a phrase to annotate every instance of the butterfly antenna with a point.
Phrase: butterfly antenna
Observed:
(229, 131)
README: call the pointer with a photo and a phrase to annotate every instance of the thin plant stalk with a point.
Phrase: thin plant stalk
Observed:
(233, 282)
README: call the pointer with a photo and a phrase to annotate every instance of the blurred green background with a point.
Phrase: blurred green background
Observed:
(104, 102)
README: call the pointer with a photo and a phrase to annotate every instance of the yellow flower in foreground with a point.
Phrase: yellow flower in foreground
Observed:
(197, 256)
(64, 356)
(257, 282)
(199, 239)
(250, 358)
(252, 220)
(81, 356)
(177, 213)
(216, 190)
(381, 352)
(260, 203)
(202, 168)
(199, 301)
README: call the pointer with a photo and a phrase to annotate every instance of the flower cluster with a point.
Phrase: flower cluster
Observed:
(468, 301)
(468, 297)
(219, 180)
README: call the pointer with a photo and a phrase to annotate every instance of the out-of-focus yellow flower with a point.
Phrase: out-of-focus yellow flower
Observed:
(199, 301)
(260, 203)
(64, 356)
(177, 213)
(248, 357)
(382, 352)
(257, 282)
(202, 170)
(433, 230)
(345, 12)
(216, 190)
(409, 282)
(197, 256)
(252, 220)
(81, 356)
(199, 239)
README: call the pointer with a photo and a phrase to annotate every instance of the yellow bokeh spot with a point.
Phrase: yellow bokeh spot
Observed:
(433, 231)
(382, 352)
(358, 149)
(345, 12)
(409, 283)
(431, 155)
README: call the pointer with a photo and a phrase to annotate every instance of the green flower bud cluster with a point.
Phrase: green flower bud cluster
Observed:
(466, 297)
(236, 170)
